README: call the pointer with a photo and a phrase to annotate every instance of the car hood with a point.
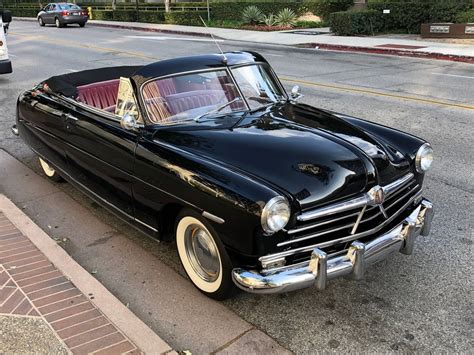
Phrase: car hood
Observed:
(311, 154)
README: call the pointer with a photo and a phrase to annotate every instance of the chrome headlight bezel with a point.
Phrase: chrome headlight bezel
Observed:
(424, 152)
(268, 213)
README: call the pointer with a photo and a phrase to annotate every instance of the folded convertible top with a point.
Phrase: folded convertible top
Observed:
(67, 84)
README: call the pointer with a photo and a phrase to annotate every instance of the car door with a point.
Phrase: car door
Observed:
(50, 13)
(100, 155)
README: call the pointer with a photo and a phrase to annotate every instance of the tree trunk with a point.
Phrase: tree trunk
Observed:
(114, 5)
(167, 5)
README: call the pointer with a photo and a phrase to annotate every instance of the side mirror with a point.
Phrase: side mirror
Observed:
(6, 16)
(295, 92)
(128, 122)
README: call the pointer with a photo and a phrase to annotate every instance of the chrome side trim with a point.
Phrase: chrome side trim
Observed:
(322, 267)
(353, 203)
(213, 217)
(344, 239)
(146, 225)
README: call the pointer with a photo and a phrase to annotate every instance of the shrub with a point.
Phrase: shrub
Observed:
(102, 15)
(409, 15)
(187, 18)
(269, 20)
(230, 10)
(465, 16)
(286, 17)
(323, 8)
(309, 24)
(24, 12)
(352, 23)
(252, 15)
(152, 16)
(123, 15)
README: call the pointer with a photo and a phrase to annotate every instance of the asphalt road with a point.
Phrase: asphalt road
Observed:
(421, 302)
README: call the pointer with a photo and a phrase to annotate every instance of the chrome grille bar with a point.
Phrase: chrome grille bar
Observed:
(354, 203)
(315, 225)
(344, 239)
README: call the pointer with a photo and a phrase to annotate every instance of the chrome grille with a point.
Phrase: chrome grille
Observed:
(352, 219)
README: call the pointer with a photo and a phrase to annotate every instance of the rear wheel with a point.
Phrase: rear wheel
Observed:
(82, 24)
(203, 256)
(40, 21)
(49, 171)
(58, 23)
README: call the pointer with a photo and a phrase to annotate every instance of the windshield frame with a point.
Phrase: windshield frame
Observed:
(228, 70)
(272, 74)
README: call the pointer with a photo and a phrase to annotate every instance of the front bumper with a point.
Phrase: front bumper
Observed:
(321, 268)
(5, 67)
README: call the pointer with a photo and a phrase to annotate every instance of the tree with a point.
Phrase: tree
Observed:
(167, 5)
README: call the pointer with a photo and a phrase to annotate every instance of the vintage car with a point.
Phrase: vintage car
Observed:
(257, 190)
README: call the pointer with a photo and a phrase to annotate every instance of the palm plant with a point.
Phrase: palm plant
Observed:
(252, 15)
(286, 17)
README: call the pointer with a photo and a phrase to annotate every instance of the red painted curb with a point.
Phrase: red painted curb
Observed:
(389, 51)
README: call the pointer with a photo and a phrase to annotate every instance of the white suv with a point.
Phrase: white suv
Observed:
(5, 64)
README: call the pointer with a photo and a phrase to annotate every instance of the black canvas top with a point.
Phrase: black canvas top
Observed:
(67, 84)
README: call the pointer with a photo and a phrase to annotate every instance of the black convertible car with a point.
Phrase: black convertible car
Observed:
(258, 190)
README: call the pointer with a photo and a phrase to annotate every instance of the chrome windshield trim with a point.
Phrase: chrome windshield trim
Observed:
(357, 202)
(344, 239)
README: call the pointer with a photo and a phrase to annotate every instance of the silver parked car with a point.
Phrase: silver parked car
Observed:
(62, 14)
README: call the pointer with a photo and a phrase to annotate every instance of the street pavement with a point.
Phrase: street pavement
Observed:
(409, 303)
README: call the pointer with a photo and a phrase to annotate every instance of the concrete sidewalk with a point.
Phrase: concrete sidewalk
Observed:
(59, 306)
(377, 45)
(160, 297)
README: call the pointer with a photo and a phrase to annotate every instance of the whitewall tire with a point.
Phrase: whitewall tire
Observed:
(203, 256)
(49, 171)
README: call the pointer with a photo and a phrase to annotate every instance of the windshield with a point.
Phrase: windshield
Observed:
(258, 85)
(189, 96)
(210, 94)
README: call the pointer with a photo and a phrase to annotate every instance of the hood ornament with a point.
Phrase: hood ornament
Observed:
(309, 168)
(376, 196)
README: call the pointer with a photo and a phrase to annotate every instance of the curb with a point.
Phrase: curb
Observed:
(137, 331)
(388, 51)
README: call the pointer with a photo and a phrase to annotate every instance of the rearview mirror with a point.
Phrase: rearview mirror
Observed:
(128, 122)
(6, 16)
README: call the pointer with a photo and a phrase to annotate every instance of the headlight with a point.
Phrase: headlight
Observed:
(275, 215)
(424, 158)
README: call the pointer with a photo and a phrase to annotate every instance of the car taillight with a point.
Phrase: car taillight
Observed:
(85, 13)
(65, 13)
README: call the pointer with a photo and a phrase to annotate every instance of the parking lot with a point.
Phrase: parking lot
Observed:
(421, 302)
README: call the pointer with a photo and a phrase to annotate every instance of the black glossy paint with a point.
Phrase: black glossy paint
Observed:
(228, 166)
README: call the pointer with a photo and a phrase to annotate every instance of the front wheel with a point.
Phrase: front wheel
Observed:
(203, 256)
(49, 171)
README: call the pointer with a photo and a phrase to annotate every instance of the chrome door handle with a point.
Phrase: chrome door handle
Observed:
(71, 117)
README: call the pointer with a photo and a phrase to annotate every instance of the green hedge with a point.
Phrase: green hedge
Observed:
(188, 18)
(407, 16)
(323, 8)
(465, 16)
(352, 23)
(24, 12)
(152, 16)
(231, 10)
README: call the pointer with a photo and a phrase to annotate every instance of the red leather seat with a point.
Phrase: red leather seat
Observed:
(101, 95)
(193, 99)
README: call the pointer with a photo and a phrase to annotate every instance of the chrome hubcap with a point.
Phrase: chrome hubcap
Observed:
(202, 253)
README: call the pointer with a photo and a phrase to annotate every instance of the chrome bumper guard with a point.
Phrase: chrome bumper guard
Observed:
(321, 268)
